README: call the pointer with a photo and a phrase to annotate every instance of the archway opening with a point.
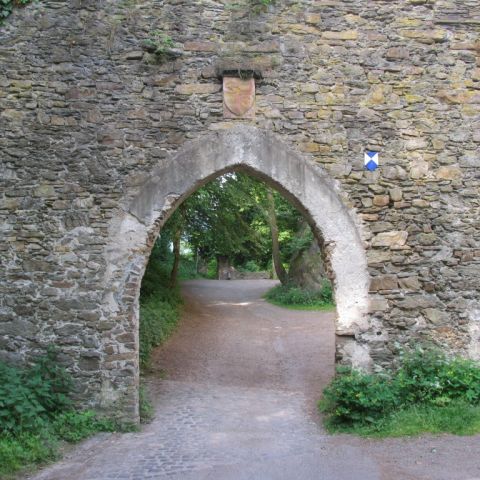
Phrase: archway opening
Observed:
(241, 270)
(145, 211)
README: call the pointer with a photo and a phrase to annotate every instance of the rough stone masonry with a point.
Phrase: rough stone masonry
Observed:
(88, 119)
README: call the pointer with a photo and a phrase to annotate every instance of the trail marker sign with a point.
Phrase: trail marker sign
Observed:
(371, 160)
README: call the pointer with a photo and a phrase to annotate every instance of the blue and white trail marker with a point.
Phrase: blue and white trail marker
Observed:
(371, 160)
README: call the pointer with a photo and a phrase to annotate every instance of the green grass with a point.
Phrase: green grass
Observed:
(147, 411)
(324, 307)
(458, 418)
(296, 298)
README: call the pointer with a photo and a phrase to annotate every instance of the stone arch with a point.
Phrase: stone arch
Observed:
(261, 154)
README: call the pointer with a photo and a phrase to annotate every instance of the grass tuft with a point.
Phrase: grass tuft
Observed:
(296, 298)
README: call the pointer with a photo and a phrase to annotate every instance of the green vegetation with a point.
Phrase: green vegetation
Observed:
(159, 43)
(7, 6)
(161, 46)
(36, 414)
(428, 392)
(297, 298)
(146, 407)
(235, 221)
(160, 306)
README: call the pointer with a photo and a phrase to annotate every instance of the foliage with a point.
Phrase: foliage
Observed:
(160, 308)
(7, 6)
(212, 268)
(355, 397)
(25, 450)
(229, 217)
(29, 397)
(146, 407)
(428, 392)
(223, 218)
(75, 426)
(36, 414)
(250, 266)
(158, 43)
(288, 295)
(426, 375)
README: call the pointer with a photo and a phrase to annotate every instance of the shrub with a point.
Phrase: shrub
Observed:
(36, 413)
(146, 407)
(249, 266)
(354, 397)
(290, 295)
(24, 450)
(75, 426)
(427, 375)
(427, 385)
(212, 268)
(30, 396)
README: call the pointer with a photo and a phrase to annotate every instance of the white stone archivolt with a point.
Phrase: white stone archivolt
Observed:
(306, 184)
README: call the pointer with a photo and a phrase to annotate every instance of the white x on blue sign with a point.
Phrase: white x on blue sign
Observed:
(371, 160)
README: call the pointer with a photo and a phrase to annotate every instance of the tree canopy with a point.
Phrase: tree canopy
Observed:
(242, 219)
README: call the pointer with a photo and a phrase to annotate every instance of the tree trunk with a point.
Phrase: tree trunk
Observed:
(176, 256)
(223, 267)
(272, 220)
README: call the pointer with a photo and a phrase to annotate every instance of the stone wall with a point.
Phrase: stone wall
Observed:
(86, 115)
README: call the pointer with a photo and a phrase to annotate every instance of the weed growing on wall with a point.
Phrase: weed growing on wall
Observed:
(7, 6)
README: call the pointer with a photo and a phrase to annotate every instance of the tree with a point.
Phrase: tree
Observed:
(272, 220)
(238, 219)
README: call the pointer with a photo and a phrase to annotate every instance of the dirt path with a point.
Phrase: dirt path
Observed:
(235, 391)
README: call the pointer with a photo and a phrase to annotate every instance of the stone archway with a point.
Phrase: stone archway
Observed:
(262, 154)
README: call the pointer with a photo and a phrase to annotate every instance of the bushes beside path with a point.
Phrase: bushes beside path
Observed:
(428, 392)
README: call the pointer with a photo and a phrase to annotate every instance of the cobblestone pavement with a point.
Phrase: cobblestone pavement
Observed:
(234, 390)
(211, 431)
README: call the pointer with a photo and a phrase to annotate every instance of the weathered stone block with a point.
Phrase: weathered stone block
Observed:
(381, 200)
(344, 35)
(390, 239)
(450, 172)
(378, 304)
(197, 88)
(397, 53)
(414, 302)
(383, 282)
(409, 283)
(200, 46)
(436, 316)
(396, 194)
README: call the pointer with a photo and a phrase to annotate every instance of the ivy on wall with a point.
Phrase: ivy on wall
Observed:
(7, 6)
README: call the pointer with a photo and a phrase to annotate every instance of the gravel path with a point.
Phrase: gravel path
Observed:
(235, 391)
